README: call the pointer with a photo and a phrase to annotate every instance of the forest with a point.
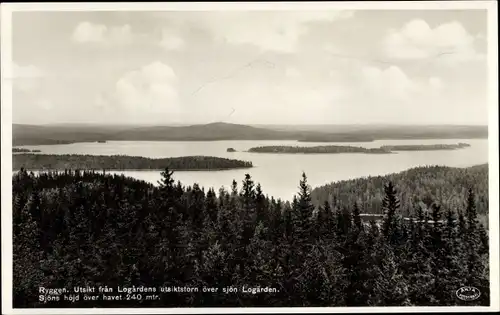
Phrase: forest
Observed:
(425, 147)
(352, 149)
(122, 162)
(419, 187)
(316, 149)
(23, 150)
(83, 228)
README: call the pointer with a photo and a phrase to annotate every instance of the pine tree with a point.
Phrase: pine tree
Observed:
(260, 204)
(451, 266)
(196, 234)
(390, 206)
(170, 228)
(167, 181)
(357, 262)
(303, 210)
(27, 253)
(462, 225)
(437, 246)
(391, 286)
(474, 265)
(234, 188)
(321, 226)
(357, 218)
(212, 209)
(344, 225)
(483, 236)
(245, 222)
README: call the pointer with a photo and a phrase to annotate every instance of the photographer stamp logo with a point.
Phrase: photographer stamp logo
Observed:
(468, 293)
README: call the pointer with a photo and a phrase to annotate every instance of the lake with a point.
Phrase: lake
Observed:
(279, 174)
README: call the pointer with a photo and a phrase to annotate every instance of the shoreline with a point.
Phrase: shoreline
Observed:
(321, 153)
(220, 140)
(134, 170)
(61, 162)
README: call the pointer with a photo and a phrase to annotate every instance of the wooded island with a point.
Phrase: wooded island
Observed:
(334, 149)
(122, 162)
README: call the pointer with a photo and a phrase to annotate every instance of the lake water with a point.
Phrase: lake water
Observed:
(279, 174)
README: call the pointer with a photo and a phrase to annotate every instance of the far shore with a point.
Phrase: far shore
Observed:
(320, 153)
(134, 169)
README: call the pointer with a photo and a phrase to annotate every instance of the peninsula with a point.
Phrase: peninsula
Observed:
(23, 150)
(123, 162)
(425, 147)
(327, 149)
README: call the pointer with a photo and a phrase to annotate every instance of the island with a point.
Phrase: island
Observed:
(327, 149)
(22, 150)
(231, 150)
(425, 147)
(335, 149)
(123, 162)
(101, 141)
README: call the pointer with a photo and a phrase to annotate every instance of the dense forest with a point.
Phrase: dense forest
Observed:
(419, 187)
(316, 149)
(425, 147)
(122, 162)
(78, 228)
(23, 150)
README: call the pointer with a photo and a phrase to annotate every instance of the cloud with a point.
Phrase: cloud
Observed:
(26, 78)
(269, 31)
(390, 95)
(87, 32)
(170, 41)
(148, 94)
(292, 72)
(417, 40)
(26, 72)
(288, 96)
(436, 83)
(390, 82)
(44, 104)
(393, 84)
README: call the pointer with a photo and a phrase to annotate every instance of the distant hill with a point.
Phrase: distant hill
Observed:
(212, 131)
(49, 134)
(56, 134)
(71, 133)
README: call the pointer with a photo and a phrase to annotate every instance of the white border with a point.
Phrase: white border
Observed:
(6, 140)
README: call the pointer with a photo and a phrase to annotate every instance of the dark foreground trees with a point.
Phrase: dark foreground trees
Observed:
(88, 229)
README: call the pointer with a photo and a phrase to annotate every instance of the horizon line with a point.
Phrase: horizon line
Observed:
(249, 124)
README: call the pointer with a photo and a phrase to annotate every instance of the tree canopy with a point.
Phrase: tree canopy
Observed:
(83, 228)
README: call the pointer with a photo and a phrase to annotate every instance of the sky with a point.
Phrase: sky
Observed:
(250, 67)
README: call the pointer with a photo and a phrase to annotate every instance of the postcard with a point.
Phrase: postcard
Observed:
(249, 157)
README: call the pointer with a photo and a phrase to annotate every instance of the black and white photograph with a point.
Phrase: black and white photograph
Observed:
(199, 156)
